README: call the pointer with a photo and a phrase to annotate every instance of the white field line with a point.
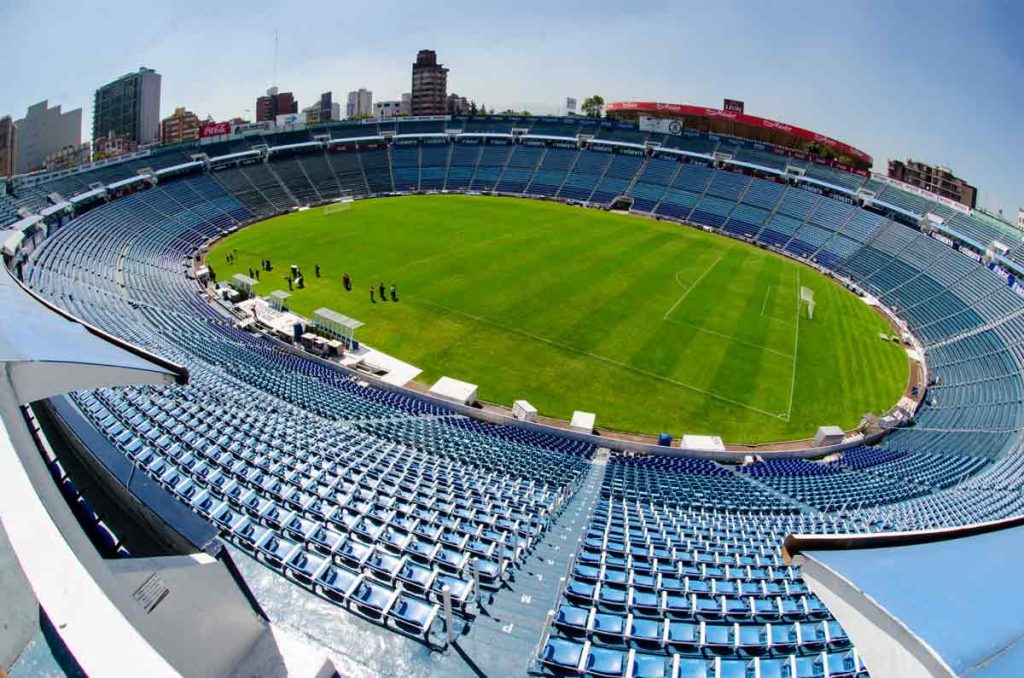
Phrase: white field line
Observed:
(693, 285)
(770, 317)
(765, 302)
(796, 347)
(610, 361)
(729, 337)
(781, 322)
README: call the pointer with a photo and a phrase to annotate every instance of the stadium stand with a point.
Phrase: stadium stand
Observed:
(376, 501)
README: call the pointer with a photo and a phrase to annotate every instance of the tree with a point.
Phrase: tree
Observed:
(593, 106)
(472, 109)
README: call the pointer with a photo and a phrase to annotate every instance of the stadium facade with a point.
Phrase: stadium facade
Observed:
(429, 541)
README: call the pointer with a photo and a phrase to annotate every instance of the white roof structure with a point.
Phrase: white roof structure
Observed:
(328, 315)
(10, 241)
(48, 353)
(335, 323)
(454, 390)
(244, 281)
(583, 422)
(702, 443)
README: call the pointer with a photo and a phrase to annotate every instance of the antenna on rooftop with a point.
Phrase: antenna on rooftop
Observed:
(274, 79)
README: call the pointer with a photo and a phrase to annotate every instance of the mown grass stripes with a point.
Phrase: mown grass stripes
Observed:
(654, 326)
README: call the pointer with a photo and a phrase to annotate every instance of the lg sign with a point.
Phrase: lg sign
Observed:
(213, 129)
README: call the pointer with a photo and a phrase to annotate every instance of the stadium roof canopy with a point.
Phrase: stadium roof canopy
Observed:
(714, 120)
(942, 602)
(47, 352)
(338, 319)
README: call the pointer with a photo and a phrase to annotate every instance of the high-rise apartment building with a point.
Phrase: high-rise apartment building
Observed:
(360, 103)
(8, 145)
(129, 107)
(429, 85)
(42, 131)
(275, 103)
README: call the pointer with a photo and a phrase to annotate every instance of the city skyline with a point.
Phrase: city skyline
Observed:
(867, 73)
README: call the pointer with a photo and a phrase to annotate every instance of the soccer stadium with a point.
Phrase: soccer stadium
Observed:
(504, 395)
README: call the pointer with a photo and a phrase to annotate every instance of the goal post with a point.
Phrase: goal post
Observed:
(342, 204)
(807, 299)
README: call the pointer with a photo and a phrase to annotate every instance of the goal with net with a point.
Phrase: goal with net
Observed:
(342, 204)
(807, 299)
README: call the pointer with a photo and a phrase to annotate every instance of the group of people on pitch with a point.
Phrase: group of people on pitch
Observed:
(346, 282)
(380, 287)
(296, 277)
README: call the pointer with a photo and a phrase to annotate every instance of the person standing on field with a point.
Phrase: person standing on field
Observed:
(371, 295)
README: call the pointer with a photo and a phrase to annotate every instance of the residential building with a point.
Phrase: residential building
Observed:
(182, 125)
(8, 145)
(393, 108)
(324, 110)
(42, 131)
(390, 108)
(1020, 215)
(311, 114)
(68, 157)
(429, 85)
(360, 104)
(456, 105)
(129, 107)
(275, 103)
(113, 145)
(934, 179)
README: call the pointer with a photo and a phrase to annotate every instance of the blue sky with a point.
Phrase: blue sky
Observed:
(938, 81)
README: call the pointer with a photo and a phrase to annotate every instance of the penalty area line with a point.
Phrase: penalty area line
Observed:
(764, 303)
(698, 328)
(595, 356)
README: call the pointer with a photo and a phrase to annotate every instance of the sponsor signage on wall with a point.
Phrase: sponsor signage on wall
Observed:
(291, 119)
(661, 125)
(242, 128)
(683, 110)
(959, 207)
(214, 129)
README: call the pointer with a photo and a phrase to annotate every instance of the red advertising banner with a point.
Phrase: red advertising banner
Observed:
(701, 111)
(213, 129)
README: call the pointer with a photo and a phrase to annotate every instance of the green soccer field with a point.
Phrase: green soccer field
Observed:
(654, 326)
